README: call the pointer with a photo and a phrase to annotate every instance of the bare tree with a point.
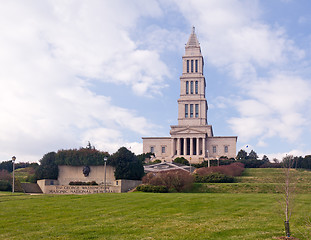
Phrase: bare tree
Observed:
(288, 190)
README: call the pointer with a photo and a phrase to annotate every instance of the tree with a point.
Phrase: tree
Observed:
(127, 165)
(252, 155)
(48, 168)
(7, 165)
(81, 157)
(142, 157)
(265, 159)
(288, 190)
(242, 155)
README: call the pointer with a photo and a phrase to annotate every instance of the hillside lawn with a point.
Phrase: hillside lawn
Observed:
(150, 216)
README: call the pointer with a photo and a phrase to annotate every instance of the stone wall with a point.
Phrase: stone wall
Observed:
(220, 143)
(117, 186)
(69, 174)
(157, 143)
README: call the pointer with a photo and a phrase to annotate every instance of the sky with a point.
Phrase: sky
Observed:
(108, 72)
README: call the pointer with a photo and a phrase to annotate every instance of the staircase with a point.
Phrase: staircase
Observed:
(31, 188)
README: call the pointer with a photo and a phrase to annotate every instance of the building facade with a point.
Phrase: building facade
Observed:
(193, 137)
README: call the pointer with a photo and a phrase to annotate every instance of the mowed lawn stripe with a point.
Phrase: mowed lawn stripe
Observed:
(148, 216)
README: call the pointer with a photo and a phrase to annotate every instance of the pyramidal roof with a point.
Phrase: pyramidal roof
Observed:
(193, 40)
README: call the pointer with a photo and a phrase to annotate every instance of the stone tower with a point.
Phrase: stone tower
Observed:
(192, 138)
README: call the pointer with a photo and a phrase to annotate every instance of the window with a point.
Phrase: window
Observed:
(163, 149)
(192, 66)
(197, 110)
(196, 65)
(191, 87)
(214, 149)
(186, 110)
(152, 149)
(187, 66)
(187, 87)
(226, 149)
(191, 110)
(196, 87)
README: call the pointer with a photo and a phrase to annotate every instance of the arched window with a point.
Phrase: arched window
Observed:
(196, 65)
(197, 110)
(196, 87)
(187, 87)
(192, 66)
(186, 110)
(191, 110)
(191, 87)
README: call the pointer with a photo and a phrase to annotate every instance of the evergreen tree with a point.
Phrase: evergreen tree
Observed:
(242, 155)
(253, 155)
(127, 165)
(47, 169)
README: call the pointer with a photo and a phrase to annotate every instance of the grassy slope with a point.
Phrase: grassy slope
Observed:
(259, 180)
(147, 216)
(22, 174)
(159, 216)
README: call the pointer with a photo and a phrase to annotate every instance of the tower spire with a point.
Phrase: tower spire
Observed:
(193, 40)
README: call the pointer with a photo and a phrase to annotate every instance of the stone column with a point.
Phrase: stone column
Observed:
(203, 147)
(185, 146)
(178, 147)
(191, 146)
(172, 147)
(197, 145)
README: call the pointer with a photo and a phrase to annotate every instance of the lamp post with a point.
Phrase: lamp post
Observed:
(190, 164)
(13, 161)
(208, 161)
(105, 161)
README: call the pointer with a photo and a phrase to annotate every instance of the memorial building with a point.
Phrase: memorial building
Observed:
(193, 137)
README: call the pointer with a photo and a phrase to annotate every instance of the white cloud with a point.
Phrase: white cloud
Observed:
(236, 39)
(275, 107)
(50, 52)
(239, 43)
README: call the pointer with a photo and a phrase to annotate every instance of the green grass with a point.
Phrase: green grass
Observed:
(22, 174)
(248, 209)
(148, 216)
(258, 180)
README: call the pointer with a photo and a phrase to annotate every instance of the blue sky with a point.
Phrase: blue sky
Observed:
(108, 72)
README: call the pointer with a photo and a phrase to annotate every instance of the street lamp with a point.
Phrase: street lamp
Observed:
(208, 161)
(13, 161)
(105, 161)
(190, 164)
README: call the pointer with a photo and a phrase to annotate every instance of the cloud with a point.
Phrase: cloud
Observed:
(51, 51)
(263, 62)
(235, 37)
(275, 107)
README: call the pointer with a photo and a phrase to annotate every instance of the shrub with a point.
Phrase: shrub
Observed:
(181, 160)
(233, 170)
(176, 180)
(271, 165)
(5, 185)
(83, 183)
(151, 188)
(214, 178)
(31, 179)
(157, 161)
(5, 175)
